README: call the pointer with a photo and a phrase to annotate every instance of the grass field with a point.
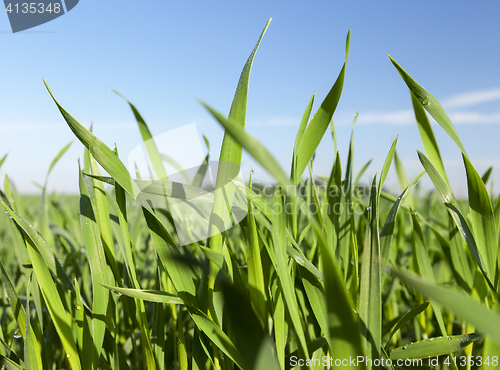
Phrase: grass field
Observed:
(323, 272)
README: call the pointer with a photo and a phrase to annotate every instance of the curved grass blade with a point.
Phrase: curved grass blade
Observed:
(485, 320)
(152, 150)
(321, 119)
(483, 219)
(407, 317)
(105, 156)
(431, 104)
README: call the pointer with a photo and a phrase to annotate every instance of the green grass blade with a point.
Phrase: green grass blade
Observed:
(320, 121)
(343, 326)
(157, 296)
(370, 298)
(407, 317)
(9, 364)
(427, 136)
(98, 268)
(485, 320)
(256, 283)
(149, 143)
(103, 220)
(231, 151)
(386, 167)
(452, 205)
(32, 346)
(387, 232)
(298, 138)
(83, 334)
(424, 264)
(483, 219)
(52, 298)
(431, 104)
(252, 146)
(434, 346)
(105, 156)
(281, 258)
(3, 160)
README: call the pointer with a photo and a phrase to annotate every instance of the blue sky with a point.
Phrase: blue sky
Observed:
(163, 56)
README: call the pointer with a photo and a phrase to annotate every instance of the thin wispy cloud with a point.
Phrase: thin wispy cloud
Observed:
(454, 107)
(472, 98)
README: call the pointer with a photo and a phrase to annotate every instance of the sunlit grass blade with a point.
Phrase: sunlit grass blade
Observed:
(321, 119)
(298, 138)
(105, 156)
(231, 150)
(427, 136)
(434, 346)
(157, 296)
(431, 104)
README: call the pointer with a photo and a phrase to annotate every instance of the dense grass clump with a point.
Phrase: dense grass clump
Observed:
(315, 272)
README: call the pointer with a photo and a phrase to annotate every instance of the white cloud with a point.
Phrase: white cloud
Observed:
(475, 117)
(472, 98)
(452, 105)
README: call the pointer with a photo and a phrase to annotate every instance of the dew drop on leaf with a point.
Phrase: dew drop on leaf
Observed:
(17, 334)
